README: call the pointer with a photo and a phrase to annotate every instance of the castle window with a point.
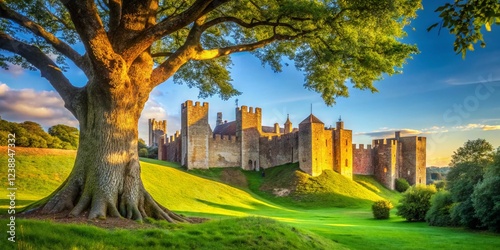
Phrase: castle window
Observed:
(346, 162)
(385, 170)
(346, 142)
(250, 164)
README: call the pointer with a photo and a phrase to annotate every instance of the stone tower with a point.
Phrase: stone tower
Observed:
(311, 145)
(219, 119)
(288, 125)
(385, 161)
(412, 166)
(195, 133)
(156, 130)
(248, 130)
(342, 148)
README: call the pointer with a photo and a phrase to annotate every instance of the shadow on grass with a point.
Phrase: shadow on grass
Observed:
(5, 206)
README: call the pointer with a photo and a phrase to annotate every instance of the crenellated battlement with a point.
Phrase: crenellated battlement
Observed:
(189, 103)
(384, 142)
(173, 137)
(361, 147)
(283, 137)
(226, 138)
(249, 110)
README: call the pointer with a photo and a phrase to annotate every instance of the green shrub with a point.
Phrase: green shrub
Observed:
(143, 152)
(440, 185)
(439, 212)
(402, 185)
(486, 199)
(381, 209)
(416, 202)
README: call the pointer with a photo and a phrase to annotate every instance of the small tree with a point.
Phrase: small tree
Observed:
(402, 185)
(416, 202)
(439, 212)
(382, 209)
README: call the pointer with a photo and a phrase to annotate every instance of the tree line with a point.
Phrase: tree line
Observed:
(31, 134)
(470, 196)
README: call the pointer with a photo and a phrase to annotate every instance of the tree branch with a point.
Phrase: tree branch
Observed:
(162, 54)
(250, 25)
(215, 53)
(89, 26)
(47, 67)
(115, 14)
(38, 30)
(168, 26)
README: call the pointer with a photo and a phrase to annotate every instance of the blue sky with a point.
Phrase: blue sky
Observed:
(439, 95)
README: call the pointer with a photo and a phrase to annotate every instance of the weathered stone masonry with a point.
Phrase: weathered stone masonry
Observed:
(247, 144)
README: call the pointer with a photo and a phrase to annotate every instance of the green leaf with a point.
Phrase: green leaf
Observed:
(432, 27)
(487, 26)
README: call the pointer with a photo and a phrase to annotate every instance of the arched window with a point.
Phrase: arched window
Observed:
(250, 164)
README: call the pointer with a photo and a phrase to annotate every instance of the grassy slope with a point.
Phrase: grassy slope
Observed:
(193, 195)
(330, 189)
(242, 233)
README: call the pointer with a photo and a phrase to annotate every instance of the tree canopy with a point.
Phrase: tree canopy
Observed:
(31, 134)
(465, 19)
(332, 42)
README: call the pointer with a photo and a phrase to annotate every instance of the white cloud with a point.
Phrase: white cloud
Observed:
(491, 127)
(13, 69)
(44, 107)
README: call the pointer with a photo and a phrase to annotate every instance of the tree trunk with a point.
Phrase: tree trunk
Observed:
(105, 180)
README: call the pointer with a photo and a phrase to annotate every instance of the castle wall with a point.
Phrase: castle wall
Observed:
(224, 151)
(195, 135)
(385, 159)
(362, 160)
(248, 131)
(278, 150)
(172, 149)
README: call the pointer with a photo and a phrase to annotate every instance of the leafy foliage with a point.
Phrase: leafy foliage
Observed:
(332, 42)
(416, 202)
(477, 151)
(382, 209)
(486, 197)
(402, 185)
(68, 135)
(31, 134)
(439, 212)
(465, 19)
(469, 163)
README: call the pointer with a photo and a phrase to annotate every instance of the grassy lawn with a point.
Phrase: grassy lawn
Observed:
(300, 224)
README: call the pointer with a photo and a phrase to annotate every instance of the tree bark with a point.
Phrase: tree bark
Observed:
(105, 180)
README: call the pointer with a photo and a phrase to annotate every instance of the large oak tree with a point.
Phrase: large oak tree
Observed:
(132, 46)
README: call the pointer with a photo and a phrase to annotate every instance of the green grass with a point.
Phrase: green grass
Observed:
(241, 233)
(330, 189)
(195, 193)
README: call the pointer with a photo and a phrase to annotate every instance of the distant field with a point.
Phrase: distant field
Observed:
(200, 193)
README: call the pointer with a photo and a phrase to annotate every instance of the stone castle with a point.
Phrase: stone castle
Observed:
(246, 143)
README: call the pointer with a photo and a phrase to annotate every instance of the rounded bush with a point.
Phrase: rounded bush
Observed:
(416, 202)
(439, 212)
(381, 209)
(402, 185)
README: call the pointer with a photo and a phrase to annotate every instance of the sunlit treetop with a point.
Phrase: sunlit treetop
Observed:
(332, 42)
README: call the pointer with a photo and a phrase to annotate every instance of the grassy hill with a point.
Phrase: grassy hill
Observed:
(288, 223)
